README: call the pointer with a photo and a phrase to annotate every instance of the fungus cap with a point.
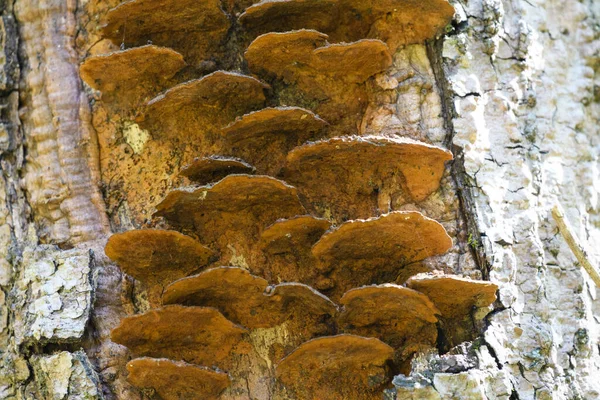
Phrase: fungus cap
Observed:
(294, 234)
(343, 366)
(157, 256)
(197, 335)
(127, 78)
(207, 170)
(453, 295)
(175, 380)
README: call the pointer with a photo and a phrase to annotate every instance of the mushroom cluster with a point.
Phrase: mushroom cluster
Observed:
(287, 226)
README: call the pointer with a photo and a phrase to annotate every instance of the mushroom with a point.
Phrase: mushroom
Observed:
(337, 367)
(197, 109)
(396, 22)
(244, 298)
(157, 256)
(173, 380)
(264, 137)
(401, 317)
(195, 28)
(456, 298)
(286, 245)
(230, 214)
(214, 168)
(128, 78)
(197, 335)
(377, 250)
(350, 176)
(307, 72)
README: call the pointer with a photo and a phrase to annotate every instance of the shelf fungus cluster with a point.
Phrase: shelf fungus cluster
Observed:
(287, 272)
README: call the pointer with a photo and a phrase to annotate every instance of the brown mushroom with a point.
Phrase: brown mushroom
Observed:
(243, 298)
(355, 177)
(196, 335)
(176, 380)
(211, 169)
(456, 298)
(128, 78)
(377, 250)
(157, 256)
(401, 317)
(286, 245)
(264, 137)
(199, 108)
(231, 213)
(396, 22)
(195, 28)
(337, 367)
(306, 72)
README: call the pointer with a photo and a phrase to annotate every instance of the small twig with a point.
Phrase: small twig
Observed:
(576, 247)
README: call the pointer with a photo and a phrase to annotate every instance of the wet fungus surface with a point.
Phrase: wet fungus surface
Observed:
(377, 250)
(396, 22)
(308, 72)
(337, 367)
(196, 110)
(357, 177)
(195, 28)
(264, 137)
(212, 169)
(197, 335)
(173, 380)
(130, 77)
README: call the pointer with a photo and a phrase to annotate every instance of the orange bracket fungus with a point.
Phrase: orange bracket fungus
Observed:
(212, 169)
(195, 28)
(264, 137)
(157, 256)
(401, 317)
(233, 211)
(337, 367)
(396, 22)
(327, 79)
(378, 250)
(199, 108)
(196, 335)
(177, 380)
(356, 176)
(249, 300)
(286, 246)
(128, 78)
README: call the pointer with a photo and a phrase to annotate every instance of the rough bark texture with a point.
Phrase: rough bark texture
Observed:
(513, 90)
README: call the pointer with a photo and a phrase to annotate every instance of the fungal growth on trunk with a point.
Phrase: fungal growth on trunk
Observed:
(130, 77)
(303, 267)
(206, 170)
(173, 380)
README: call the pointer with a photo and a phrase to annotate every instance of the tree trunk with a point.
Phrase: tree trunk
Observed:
(511, 89)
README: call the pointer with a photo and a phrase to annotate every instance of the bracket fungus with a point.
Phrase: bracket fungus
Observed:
(337, 367)
(197, 335)
(212, 169)
(456, 298)
(233, 211)
(397, 22)
(378, 250)
(351, 176)
(286, 246)
(128, 78)
(157, 256)
(264, 137)
(200, 107)
(312, 74)
(195, 28)
(176, 380)
(401, 317)
(249, 300)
